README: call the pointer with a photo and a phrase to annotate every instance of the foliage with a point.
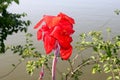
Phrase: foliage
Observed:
(106, 56)
(117, 11)
(10, 23)
(29, 51)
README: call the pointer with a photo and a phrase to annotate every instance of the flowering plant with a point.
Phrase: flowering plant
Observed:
(56, 34)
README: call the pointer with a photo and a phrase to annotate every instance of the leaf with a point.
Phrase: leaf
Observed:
(117, 11)
(93, 70)
(16, 1)
(108, 30)
(109, 78)
(93, 57)
(95, 49)
(13, 65)
(30, 67)
(118, 43)
(106, 69)
(117, 77)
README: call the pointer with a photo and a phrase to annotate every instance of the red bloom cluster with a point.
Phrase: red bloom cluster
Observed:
(56, 29)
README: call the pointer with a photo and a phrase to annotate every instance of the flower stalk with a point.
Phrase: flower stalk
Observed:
(41, 73)
(54, 67)
(56, 53)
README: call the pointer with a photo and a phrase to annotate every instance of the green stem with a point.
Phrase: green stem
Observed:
(71, 66)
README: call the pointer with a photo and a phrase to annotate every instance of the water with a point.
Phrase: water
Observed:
(88, 15)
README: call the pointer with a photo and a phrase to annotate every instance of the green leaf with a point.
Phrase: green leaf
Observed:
(93, 70)
(109, 78)
(95, 49)
(30, 67)
(117, 11)
(117, 77)
(16, 1)
(93, 57)
(13, 65)
(118, 43)
(108, 30)
(106, 69)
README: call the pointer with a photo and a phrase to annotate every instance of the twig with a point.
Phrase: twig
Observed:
(73, 61)
(78, 67)
(70, 63)
(7, 74)
(113, 75)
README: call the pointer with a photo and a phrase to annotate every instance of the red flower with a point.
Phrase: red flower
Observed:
(56, 29)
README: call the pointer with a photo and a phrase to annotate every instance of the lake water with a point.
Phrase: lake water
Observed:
(88, 14)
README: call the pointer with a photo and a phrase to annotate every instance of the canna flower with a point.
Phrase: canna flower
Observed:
(56, 30)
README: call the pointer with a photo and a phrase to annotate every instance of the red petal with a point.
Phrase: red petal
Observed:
(65, 53)
(51, 21)
(64, 16)
(56, 32)
(38, 24)
(49, 43)
(45, 28)
(39, 34)
(63, 39)
(67, 28)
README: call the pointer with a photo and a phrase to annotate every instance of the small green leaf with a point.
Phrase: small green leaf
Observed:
(95, 49)
(117, 77)
(16, 1)
(117, 11)
(93, 57)
(109, 78)
(118, 43)
(13, 65)
(108, 30)
(93, 70)
(106, 69)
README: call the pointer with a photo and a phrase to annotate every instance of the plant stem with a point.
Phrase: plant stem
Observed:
(69, 74)
(54, 67)
(56, 53)
(71, 66)
(1, 77)
(113, 75)
(73, 61)
(42, 72)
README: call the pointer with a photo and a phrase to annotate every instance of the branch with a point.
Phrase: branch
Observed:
(69, 74)
(7, 74)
